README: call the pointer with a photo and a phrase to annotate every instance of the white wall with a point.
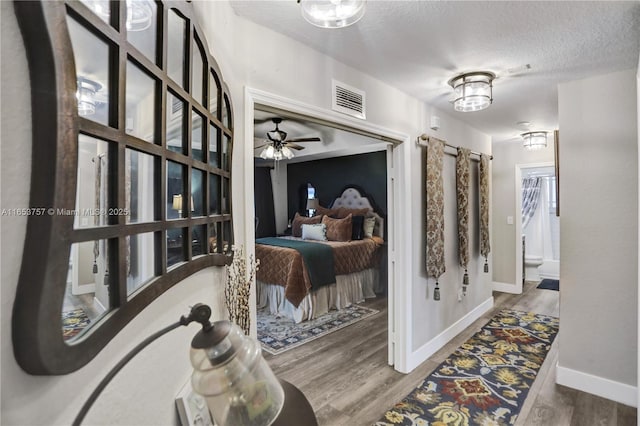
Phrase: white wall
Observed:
(505, 247)
(155, 377)
(598, 230)
(430, 317)
(144, 391)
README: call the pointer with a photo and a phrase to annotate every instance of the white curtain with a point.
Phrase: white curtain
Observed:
(537, 231)
(530, 198)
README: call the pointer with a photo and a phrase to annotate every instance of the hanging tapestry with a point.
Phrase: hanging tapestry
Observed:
(435, 208)
(463, 166)
(530, 197)
(484, 178)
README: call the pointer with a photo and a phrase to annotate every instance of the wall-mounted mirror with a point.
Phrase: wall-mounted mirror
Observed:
(142, 159)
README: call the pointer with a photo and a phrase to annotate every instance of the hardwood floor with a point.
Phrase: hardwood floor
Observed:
(347, 380)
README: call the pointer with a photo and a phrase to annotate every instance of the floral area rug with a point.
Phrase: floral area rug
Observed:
(73, 322)
(486, 380)
(279, 334)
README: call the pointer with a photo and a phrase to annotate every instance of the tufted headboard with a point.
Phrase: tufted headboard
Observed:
(353, 198)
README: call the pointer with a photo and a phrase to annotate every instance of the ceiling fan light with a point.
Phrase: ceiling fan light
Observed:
(472, 91)
(332, 13)
(288, 153)
(267, 153)
(534, 141)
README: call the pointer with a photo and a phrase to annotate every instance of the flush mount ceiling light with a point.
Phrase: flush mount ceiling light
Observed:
(86, 96)
(534, 141)
(139, 12)
(332, 13)
(473, 91)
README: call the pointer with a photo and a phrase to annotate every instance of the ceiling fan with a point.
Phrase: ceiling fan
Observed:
(278, 147)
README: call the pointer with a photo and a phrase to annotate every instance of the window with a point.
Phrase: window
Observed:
(132, 142)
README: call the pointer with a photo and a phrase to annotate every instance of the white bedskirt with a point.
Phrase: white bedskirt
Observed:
(348, 289)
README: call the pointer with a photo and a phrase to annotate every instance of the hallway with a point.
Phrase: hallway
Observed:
(346, 378)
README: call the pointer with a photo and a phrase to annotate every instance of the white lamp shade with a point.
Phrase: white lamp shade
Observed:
(332, 13)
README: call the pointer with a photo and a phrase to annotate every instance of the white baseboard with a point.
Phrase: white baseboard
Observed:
(506, 287)
(432, 346)
(605, 388)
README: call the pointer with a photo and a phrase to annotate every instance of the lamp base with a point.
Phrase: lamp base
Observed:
(296, 409)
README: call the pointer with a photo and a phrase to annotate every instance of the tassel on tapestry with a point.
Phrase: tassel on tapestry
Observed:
(435, 211)
(463, 168)
(484, 179)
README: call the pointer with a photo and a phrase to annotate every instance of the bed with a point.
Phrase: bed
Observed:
(288, 283)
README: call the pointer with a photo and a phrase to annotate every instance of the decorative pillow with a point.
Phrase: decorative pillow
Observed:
(369, 223)
(325, 211)
(338, 229)
(342, 212)
(357, 227)
(316, 231)
(298, 221)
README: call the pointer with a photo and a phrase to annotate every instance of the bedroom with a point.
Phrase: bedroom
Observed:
(328, 164)
(303, 74)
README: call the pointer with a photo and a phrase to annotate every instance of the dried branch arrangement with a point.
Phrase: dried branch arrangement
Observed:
(238, 287)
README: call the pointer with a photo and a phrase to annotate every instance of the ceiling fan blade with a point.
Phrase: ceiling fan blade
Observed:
(304, 140)
(261, 146)
(294, 146)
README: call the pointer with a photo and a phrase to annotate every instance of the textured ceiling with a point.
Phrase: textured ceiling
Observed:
(417, 46)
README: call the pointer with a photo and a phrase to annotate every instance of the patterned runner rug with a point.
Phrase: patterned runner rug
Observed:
(279, 334)
(73, 322)
(486, 380)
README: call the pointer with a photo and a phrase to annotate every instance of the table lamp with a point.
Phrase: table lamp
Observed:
(230, 373)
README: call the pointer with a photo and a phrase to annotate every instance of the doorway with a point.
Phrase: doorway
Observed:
(397, 295)
(537, 224)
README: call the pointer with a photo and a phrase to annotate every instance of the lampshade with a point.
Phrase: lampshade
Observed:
(534, 140)
(312, 204)
(276, 151)
(177, 202)
(332, 13)
(473, 91)
(86, 96)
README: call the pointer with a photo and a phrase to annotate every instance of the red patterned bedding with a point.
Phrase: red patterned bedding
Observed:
(284, 266)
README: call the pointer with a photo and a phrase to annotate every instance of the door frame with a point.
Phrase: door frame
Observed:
(518, 218)
(398, 249)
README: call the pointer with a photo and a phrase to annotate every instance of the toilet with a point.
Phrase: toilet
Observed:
(531, 265)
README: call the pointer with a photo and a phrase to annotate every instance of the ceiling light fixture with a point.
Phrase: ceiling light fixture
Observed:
(473, 91)
(86, 96)
(276, 151)
(139, 12)
(534, 141)
(332, 13)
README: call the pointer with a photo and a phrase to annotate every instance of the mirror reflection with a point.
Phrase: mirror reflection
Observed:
(139, 177)
(197, 74)
(139, 261)
(213, 146)
(175, 49)
(197, 192)
(197, 132)
(141, 26)
(92, 65)
(92, 183)
(86, 296)
(176, 203)
(176, 252)
(141, 99)
(198, 238)
(175, 135)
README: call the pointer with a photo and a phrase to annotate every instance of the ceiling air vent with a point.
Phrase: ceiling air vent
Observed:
(348, 100)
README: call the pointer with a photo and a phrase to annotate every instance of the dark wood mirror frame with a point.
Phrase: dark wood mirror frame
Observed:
(39, 346)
